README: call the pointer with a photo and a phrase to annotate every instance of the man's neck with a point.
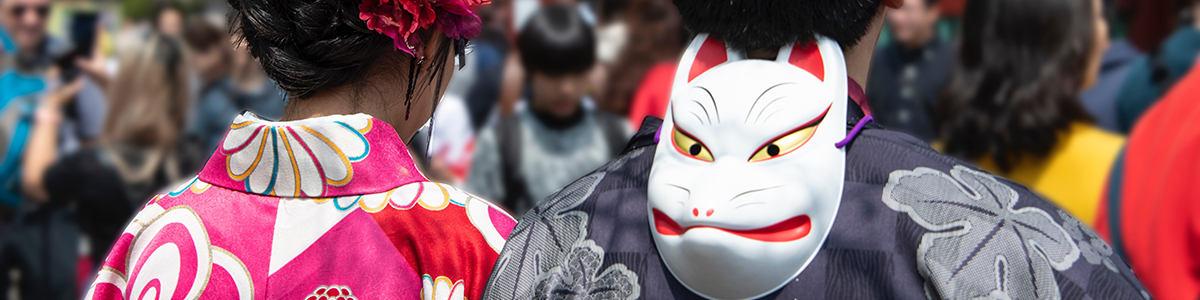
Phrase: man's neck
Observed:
(858, 58)
(921, 41)
(558, 123)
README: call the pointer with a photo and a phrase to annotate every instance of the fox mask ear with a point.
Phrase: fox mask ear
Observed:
(806, 56)
(712, 52)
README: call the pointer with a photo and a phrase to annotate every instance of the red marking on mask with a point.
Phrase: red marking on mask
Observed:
(807, 56)
(711, 54)
(789, 230)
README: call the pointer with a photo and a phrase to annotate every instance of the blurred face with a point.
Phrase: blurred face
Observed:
(240, 58)
(211, 63)
(558, 95)
(914, 24)
(1099, 45)
(170, 22)
(25, 21)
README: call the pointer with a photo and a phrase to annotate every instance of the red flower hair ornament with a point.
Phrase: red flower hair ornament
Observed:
(400, 19)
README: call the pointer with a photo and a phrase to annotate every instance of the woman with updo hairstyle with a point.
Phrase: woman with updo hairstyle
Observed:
(1013, 102)
(325, 203)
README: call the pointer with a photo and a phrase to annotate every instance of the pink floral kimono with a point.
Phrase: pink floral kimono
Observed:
(324, 208)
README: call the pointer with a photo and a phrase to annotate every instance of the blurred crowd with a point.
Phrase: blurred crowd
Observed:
(104, 104)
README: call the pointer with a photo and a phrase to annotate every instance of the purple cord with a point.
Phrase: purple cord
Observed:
(854, 132)
(657, 134)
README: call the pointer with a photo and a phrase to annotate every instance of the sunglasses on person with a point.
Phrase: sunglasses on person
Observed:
(20, 10)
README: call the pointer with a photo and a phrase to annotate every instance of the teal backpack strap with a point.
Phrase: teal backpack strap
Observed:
(16, 92)
(1115, 179)
(10, 168)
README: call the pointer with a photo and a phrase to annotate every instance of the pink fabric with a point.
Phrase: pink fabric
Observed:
(504, 224)
(340, 257)
(379, 231)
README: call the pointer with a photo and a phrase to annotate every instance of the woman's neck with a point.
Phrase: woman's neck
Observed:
(378, 101)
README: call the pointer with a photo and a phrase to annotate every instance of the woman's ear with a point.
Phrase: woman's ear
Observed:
(894, 3)
(435, 43)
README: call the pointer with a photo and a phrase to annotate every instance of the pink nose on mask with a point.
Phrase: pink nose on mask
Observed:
(696, 212)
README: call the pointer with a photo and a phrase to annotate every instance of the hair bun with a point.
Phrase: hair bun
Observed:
(308, 46)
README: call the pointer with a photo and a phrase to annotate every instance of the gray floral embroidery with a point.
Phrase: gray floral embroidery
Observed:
(547, 257)
(580, 278)
(1091, 246)
(981, 246)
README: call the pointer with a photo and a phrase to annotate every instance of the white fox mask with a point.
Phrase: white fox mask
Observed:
(746, 180)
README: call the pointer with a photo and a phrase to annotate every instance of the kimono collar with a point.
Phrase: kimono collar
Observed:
(321, 157)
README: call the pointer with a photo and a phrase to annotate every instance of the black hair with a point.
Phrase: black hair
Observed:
(309, 46)
(1021, 66)
(770, 24)
(556, 40)
(932, 3)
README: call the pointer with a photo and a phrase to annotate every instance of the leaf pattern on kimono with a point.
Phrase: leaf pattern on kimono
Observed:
(980, 245)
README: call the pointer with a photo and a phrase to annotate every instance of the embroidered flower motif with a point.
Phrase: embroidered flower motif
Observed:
(400, 20)
(441, 288)
(564, 264)
(295, 159)
(980, 246)
(335, 292)
(1091, 246)
(580, 277)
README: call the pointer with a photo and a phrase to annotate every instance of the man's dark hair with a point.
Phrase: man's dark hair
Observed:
(768, 24)
(932, 3)
(556, 40)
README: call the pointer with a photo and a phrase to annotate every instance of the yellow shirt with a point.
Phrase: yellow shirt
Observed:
(1074, 174)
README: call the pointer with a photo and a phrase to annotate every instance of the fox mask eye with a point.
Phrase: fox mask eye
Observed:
(788, 142)
(689, 146)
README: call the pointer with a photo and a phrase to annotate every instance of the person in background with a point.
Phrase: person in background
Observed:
(1151, 211)
(140, 153)
(489, 58)
(1149, 22)
(230, 82)
(1013, 107)
(209, 57)
(514, 79)
(639, 85)
(40, 249)
(253, 91)
(1101, 99)
(168, 19)
(1154, 74)
(555, 138)
(908, 75)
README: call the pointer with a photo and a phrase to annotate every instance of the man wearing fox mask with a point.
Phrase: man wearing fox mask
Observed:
(766, 180)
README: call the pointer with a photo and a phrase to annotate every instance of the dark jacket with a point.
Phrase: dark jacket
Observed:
(593, 237)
